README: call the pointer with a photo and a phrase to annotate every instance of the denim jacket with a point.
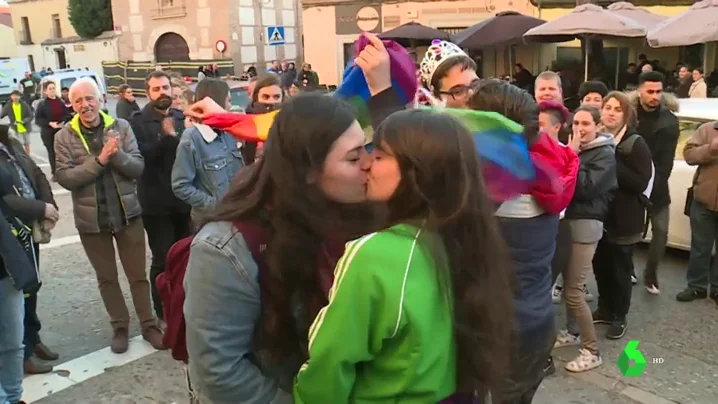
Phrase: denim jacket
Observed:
(203, 170)
(222, 305)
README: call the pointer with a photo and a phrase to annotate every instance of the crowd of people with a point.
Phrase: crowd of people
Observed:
(324, 268)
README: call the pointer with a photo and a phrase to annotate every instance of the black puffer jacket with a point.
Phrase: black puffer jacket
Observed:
(596, 182)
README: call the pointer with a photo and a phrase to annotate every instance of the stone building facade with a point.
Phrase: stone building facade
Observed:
(179, 30)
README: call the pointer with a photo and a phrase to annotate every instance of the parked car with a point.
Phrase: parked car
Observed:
(238, 91)
(693, 113)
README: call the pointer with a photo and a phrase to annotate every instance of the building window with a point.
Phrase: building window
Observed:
(169, 9)
(25, 37)
(56, 27)
(31, 62)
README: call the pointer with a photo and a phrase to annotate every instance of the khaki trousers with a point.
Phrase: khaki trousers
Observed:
(574, 276)
(100, 251)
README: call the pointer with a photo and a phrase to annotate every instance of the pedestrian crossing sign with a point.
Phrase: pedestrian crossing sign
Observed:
(275, 35)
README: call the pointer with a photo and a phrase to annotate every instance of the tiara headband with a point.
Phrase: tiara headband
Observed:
(439, 52)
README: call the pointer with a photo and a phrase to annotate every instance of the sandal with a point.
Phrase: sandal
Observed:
(585, 361)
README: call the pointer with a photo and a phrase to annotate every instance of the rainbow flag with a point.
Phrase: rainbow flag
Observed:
(250, 128)
(355, 90)
(507, 167)
(506, 163)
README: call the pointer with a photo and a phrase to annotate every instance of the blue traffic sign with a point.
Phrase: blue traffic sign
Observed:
(275, 36)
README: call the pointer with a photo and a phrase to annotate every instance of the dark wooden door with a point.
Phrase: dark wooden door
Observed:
(61, 59)
(171, 47)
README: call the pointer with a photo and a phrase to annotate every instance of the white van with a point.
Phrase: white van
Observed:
(11, 72)
(65, 77)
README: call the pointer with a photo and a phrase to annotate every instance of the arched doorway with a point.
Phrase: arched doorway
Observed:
(171, 47)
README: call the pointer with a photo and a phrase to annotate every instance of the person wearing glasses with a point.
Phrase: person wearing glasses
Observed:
(449, 73)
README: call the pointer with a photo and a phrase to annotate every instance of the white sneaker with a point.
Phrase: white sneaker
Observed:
(653, 289)
(564, 338)
(584, 362)
(557, 294)
(634, 280)
(586, 294)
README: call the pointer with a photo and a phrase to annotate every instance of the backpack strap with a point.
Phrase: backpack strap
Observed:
(626, 146)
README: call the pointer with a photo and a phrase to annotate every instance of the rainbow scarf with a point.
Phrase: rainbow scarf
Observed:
(507, 167)
(506, 163)
(248, 128)
(355, 90)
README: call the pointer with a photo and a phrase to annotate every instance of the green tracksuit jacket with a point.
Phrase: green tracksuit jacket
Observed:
(386, 335)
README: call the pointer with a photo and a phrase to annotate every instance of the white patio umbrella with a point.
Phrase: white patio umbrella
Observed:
(698, 24)
(640, 15)
(587, 20)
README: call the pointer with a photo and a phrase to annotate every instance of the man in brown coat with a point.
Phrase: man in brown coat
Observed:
(702, 150)
(98, 160)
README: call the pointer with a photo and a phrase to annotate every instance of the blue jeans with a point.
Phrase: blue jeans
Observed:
(12, 311)
(704, 230)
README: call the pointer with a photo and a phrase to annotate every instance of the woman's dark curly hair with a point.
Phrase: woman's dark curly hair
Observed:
(511, 102)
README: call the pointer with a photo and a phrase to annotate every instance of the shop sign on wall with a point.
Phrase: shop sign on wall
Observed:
(354, 19)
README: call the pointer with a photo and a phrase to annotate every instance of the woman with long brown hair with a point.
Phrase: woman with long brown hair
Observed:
(623, 227)
(248, 317)
(422, 309)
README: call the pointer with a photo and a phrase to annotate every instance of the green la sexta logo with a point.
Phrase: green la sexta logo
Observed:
(631, 353)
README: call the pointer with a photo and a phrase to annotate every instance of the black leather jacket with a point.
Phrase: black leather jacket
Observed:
(596, 182)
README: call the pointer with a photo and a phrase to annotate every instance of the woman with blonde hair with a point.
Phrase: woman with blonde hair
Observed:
(180, 97)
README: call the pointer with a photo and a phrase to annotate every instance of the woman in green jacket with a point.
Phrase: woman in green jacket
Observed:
(421, 310)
